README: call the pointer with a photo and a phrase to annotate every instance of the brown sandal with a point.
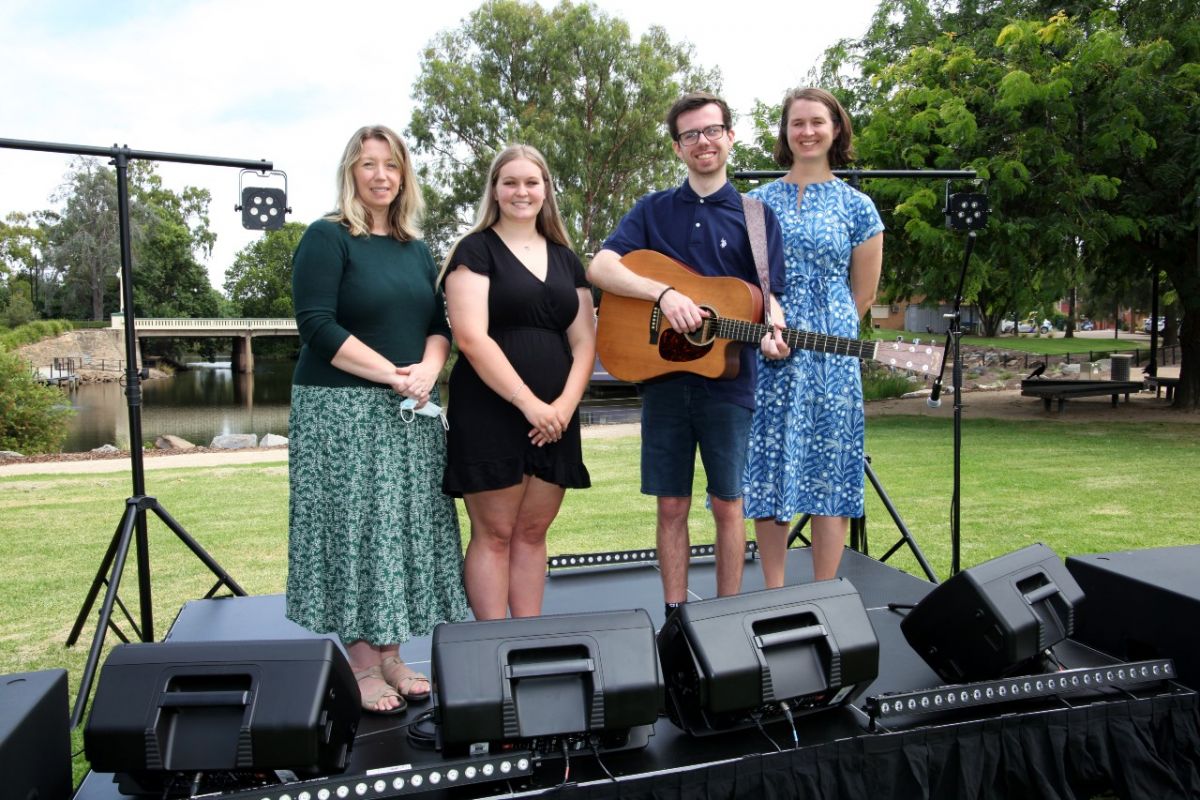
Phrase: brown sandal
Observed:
(370, 702)
(402, 677)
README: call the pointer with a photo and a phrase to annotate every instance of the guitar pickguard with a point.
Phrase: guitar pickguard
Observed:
(679, 349)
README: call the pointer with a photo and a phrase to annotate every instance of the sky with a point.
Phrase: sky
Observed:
(289, 82)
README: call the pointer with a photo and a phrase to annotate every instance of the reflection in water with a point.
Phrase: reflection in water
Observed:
(203, 402)
(211, 399)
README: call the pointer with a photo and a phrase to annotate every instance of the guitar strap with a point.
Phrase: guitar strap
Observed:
(756, 227)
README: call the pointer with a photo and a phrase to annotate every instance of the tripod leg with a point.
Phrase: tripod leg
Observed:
(122, 540)
(200, 553)
(796, 531)
(101, 575)
(906, 536)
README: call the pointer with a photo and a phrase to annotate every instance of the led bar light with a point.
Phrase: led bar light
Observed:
(1026, 687)
(629, 556)
(394, 781)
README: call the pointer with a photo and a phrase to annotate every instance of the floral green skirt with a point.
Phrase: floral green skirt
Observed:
(373, 544)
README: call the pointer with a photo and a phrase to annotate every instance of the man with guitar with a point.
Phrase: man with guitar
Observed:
(703, 225)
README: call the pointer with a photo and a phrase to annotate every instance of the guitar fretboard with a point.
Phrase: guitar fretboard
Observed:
(742, 331)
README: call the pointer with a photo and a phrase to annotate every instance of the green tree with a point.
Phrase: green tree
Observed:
(19, 309)
(168, 231)
(259, 283)
(33, 418)
(23, 246)
(570, 81)
(85, 242)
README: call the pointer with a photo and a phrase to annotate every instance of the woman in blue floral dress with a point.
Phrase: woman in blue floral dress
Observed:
(806, 437)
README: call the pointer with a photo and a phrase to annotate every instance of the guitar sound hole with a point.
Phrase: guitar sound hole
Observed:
(703, 336)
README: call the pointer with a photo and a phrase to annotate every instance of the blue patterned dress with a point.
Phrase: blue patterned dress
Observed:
(806, 438)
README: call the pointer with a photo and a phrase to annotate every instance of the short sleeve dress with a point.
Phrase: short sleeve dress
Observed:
(489, 446)
(806, 438)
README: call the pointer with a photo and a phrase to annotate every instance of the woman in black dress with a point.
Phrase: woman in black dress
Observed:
(521, 313)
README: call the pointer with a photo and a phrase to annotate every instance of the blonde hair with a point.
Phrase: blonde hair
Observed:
(549, 221)
(405, 212)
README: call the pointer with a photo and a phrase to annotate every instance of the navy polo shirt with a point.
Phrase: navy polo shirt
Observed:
(709, 235)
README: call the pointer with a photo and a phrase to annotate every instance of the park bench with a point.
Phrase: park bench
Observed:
(1159, 384)
(1051, 389)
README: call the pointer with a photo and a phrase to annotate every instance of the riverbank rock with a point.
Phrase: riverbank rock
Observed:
(11, 454)
(170, 442)
(234, 441)
(271, 440)
(104, 448)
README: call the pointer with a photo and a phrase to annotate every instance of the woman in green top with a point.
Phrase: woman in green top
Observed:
(373, 544)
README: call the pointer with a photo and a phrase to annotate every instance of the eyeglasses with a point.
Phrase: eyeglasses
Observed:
(712, 133)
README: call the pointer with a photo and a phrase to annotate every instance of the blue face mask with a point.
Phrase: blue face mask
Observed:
(409, 410)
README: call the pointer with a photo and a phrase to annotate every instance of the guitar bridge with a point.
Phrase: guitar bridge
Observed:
(655, 322)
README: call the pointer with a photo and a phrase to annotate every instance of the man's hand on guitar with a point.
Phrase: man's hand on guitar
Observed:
(772, 345)
(682, 314)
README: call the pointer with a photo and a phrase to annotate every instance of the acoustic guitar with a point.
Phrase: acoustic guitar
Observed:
(636, 343)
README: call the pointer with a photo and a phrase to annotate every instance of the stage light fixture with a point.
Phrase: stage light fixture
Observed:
(997, 618)
(263, 207)
(966, 211)
(1026, 687)
(395, 781)
(569, 560)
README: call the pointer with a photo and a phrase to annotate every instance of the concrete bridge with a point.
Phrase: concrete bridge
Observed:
(242, 331)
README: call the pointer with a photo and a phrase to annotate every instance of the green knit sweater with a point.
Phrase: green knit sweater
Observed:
(375, 288)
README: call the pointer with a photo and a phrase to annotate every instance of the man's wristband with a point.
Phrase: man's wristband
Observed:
(663, 294)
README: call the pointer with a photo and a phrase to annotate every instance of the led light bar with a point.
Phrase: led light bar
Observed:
(1025, 687)
(570, 560)
(395, 781)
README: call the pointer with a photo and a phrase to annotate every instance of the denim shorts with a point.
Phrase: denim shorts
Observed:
(678, 418)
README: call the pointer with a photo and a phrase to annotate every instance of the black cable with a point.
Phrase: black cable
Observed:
(763, 731)
(596, 753)
(424, 715)
(900, 606)
(791, 721)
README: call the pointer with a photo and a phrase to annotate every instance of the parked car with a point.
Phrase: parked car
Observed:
(1086, 325)
(1162, 324)
(1029, 325)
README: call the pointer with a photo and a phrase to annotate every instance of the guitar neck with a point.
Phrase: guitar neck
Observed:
(741, 331)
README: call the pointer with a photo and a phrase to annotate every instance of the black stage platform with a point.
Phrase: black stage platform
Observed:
(1144, 743)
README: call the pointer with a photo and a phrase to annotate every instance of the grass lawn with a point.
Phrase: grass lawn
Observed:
(1078, 488)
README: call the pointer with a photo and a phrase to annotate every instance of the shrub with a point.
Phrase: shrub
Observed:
(880, 384)
(33, 332)
(33, 417)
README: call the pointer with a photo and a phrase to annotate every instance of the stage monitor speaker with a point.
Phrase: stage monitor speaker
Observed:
(997, 618)
(542, 682)
(730, 662)
(1143, 604)
(35, 736)
(167, 708)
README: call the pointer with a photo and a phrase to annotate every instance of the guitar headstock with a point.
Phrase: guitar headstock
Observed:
(915, 356)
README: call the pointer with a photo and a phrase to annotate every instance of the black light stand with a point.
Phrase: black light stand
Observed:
(858, 526)
(964, 211)
(134, 516)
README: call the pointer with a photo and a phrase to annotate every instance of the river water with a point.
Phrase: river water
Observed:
(210, 399)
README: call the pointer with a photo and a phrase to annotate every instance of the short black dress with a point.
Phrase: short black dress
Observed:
(489, 446)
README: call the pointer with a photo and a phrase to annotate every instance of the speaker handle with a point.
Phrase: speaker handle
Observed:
(191, 699)
(540, 669)
(1041, 593)
(819, 632)
(790, 637)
